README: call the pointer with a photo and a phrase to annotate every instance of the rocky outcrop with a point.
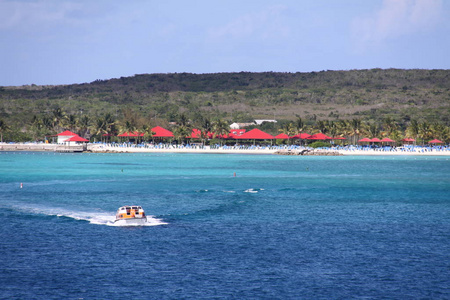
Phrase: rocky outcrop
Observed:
(309, 152)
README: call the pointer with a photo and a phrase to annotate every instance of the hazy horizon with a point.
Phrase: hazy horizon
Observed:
(67, 42)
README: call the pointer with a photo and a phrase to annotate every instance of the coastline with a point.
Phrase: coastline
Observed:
(105, 148)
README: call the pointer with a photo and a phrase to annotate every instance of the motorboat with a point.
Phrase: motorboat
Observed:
(130, 215)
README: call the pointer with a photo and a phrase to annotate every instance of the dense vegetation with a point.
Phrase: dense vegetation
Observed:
(390, 102)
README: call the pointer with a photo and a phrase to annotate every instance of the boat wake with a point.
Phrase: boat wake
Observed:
(253, 191)
(93, 217)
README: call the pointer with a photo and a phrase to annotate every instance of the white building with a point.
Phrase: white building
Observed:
(259, 122)
(240, 125)
(64, 136)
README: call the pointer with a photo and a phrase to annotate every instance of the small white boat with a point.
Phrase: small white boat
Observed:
(130, 215)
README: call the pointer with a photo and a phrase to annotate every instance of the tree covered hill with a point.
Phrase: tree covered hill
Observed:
(370, 95)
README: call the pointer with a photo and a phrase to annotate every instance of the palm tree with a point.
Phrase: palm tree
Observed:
(343, 128)
(72, 122)
(47, 122)
(413, 129)
(148, 133)
(58, 119)
(299, 127)
(99, 128)
(371, 129)
(181, 132)
(205, 128)
(425, 131)
(355, 127)
(440, 131)
(3, 128)
(390, 126)
(104, 125)
(183, 120)
(288, 129)
(84, 125)
(220, 128)
(322, 126)
(131, 128)
(332, 128)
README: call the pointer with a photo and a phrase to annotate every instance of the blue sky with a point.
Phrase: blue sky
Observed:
(76, 41)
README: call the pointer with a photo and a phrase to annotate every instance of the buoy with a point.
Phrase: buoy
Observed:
(21, 185)
(234, 174)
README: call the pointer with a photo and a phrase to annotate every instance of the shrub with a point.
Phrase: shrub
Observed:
(319, 144)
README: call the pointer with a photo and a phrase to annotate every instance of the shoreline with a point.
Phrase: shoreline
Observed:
(104, 148)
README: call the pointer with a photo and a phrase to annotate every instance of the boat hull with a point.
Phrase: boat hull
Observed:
(131, 222)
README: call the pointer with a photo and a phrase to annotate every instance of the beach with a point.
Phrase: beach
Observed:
(167, 148)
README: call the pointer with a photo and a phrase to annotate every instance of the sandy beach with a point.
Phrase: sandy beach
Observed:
(108, 148)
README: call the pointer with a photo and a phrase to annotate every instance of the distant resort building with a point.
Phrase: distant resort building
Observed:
(259, 122)
(240, 125)
(69, 138)
(63, 136)
(243, 125)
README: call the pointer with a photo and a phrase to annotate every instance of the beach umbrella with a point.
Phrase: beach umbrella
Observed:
(375, 140)
(408, 140)
(364, 140)
(387, 140)
(435, 141)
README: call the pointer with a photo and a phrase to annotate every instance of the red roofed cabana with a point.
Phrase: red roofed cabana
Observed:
(319, 136)
(64, 136)
(256, 134)
(161, 132)
(301, 136)
(282, 136)
(131, 134)
(195, 134)
(76, 140)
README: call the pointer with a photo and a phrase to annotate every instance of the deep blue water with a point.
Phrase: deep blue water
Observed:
(283, 228)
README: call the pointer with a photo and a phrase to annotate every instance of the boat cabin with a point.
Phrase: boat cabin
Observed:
(130, 212)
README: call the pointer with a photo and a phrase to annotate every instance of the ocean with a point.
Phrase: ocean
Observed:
(224, 226)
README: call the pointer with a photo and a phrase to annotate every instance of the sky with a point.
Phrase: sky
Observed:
(48, 42)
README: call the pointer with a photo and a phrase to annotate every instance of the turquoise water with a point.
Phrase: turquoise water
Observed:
(283, 228)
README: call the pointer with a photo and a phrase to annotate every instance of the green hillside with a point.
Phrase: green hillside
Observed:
(157, 99)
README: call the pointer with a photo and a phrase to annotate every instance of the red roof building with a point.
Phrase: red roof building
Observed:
(319, 136)
(255, 134)
(161, 132)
